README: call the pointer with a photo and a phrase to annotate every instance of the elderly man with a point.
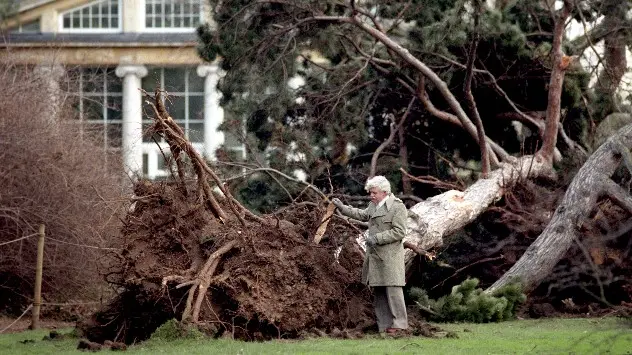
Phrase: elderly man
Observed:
(383, 269)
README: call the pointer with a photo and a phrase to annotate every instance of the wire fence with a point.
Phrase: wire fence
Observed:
(60, 242)
(17, 240)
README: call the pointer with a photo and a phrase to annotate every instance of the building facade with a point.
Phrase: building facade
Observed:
(108, 51)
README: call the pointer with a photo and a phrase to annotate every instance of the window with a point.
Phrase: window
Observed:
(185, 104)
(186, 98)
(29, 27)
(97, 16)
(100, 102)
(173, 14)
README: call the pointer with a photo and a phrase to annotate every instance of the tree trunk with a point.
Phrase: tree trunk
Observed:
(560, 63)
(591, 182)
(614, 57)
(403, 157)
(442, 215)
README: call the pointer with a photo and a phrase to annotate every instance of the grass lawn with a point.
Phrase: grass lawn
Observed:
(548, 336)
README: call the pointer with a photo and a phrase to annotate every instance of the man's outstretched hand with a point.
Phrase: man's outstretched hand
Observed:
(337, 202)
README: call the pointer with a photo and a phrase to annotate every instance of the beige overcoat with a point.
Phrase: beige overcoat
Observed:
(384, 262)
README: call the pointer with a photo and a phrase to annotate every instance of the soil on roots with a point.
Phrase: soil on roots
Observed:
(274, 283)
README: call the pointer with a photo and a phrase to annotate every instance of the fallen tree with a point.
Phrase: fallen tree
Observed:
(592, 182)
(444, 214)
(230, 274)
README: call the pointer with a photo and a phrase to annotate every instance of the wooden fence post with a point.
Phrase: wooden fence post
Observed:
(37, 300)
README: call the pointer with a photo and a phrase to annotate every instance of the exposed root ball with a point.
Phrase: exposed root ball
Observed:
(272, 283)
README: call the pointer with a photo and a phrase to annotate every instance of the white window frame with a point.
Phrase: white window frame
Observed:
(152, 150)
(91, 30)
(202, 18)
(100, 96)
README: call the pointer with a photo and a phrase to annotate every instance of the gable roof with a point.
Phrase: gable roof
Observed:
(26, 5)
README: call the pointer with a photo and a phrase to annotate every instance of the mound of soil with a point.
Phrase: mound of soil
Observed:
(273, 283)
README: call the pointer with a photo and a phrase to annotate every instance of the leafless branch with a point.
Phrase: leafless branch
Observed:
(431, 180)
(251, 171)
(482, 141)
(394, 129)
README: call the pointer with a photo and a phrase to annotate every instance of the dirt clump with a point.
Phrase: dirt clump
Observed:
(274, 283)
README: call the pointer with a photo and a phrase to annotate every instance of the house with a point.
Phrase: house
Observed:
(105, 51)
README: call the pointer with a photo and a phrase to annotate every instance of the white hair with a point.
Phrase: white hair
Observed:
(380, 182)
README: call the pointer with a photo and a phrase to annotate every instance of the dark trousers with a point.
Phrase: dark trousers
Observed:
(390, 308)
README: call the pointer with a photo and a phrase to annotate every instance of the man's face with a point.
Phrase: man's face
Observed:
(377, 195)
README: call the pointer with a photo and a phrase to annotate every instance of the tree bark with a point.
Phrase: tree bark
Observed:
(591, 182)
(559, 65)
(403, 157)
(439, 216)
(614, 57)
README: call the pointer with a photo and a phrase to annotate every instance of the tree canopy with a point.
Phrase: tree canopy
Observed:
(353, 84)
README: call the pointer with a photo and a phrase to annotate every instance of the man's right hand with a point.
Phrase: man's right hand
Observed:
(337, 202)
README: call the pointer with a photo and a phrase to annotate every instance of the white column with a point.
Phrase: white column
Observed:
(133, 12)
(213, 112)
(132, 139)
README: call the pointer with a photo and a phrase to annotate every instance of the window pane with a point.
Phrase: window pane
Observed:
(175, 107)
(115, 108)
(148, 138)
(196, 82)
(196, 132)
(92, 109)
(75, 22)
(76, 109)
(196, 107)
(152, 80)
(115, 134)
(105, 9)
(114, 23)
(174, 79)
(94, 130)
(66, 21)
(93, 80)
(115, 84)
(187, 22)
